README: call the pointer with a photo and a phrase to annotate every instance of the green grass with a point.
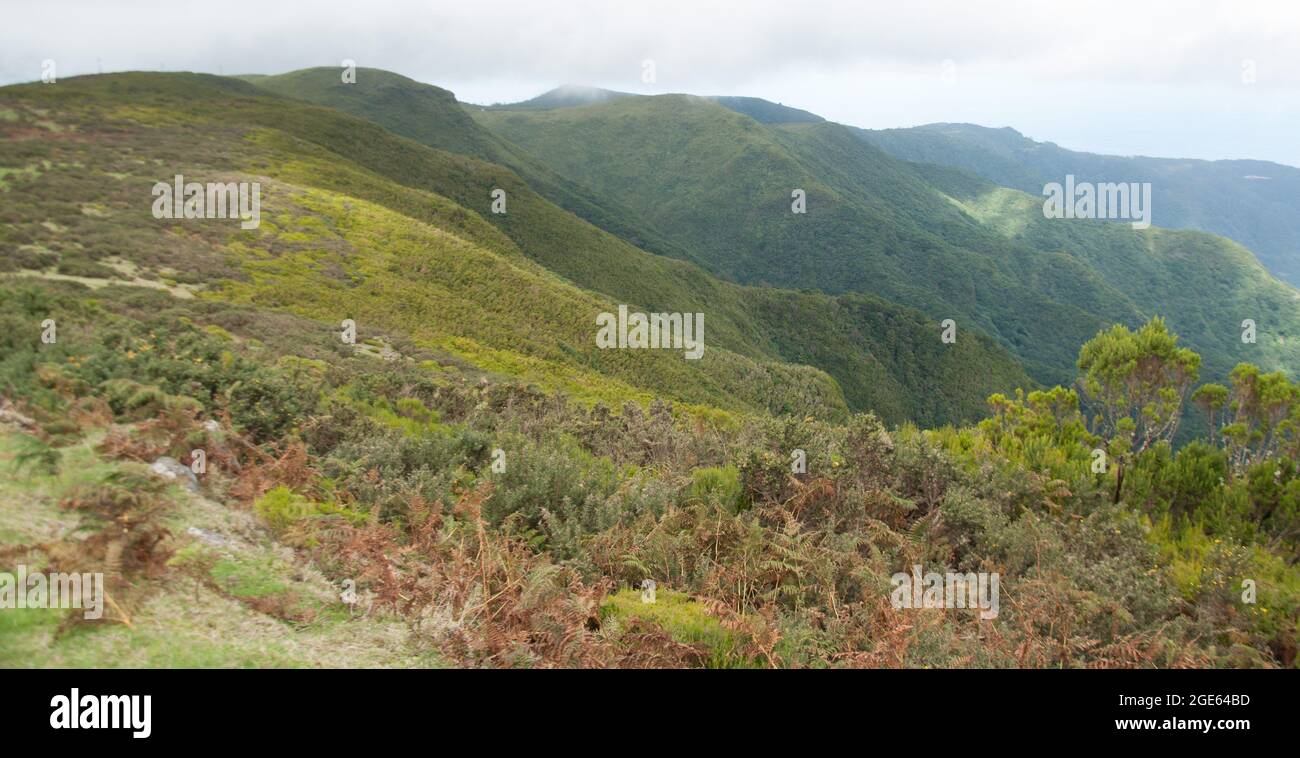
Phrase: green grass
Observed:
(685, 620)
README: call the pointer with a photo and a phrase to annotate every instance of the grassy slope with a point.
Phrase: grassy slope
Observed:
(884, 358)
(446, 276)
(1206, 285)
(431, 116)
(876, 224)
(872, 348)
(873, 355)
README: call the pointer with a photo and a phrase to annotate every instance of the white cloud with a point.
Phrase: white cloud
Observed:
(1080, 73)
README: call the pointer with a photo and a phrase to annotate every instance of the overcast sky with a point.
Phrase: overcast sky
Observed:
(1165, 78)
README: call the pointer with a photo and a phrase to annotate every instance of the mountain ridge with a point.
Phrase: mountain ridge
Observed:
(325, 150)
(1251, 201)
(879, 224)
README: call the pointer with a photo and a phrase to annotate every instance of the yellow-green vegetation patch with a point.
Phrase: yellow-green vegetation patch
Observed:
(684, 619)
(1004, 210)
(217, 331)
(305, 229)
(418, 278)
(281, 507)
(10, 173)
(251, 577)
(720, 484)
(1195, 563)
(584, 387)
(408, 414)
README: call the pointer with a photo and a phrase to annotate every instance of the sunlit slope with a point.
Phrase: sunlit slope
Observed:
(449, 280)
(883, 357)
(359, 220)
(431, 116)
(1207, 284)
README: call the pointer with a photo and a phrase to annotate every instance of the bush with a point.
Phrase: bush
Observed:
(720, 485)
(281, 508)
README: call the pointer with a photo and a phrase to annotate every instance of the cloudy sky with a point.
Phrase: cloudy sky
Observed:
(1177, 78)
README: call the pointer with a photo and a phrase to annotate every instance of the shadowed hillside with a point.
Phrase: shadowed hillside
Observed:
(880, 225)
(1252, 202)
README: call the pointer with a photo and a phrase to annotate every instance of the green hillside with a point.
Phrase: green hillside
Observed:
(1204, 285)
(869, 354)
(404, 238)
(1252, 202)
(880, 225)
(436, 272)
(431, 116)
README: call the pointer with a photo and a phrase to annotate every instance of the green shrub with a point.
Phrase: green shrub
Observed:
(281, 507)
(717, 484)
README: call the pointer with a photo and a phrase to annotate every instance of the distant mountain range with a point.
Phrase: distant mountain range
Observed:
(717, 182)
(1256, 203)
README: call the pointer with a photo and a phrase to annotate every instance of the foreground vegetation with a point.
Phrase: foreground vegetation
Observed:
(505, 526)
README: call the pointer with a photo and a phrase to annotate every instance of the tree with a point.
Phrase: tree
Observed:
(1135, 383)
(1211, 398)
(1266, 410)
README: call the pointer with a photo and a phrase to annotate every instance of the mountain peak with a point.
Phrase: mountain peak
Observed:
(565, 96)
